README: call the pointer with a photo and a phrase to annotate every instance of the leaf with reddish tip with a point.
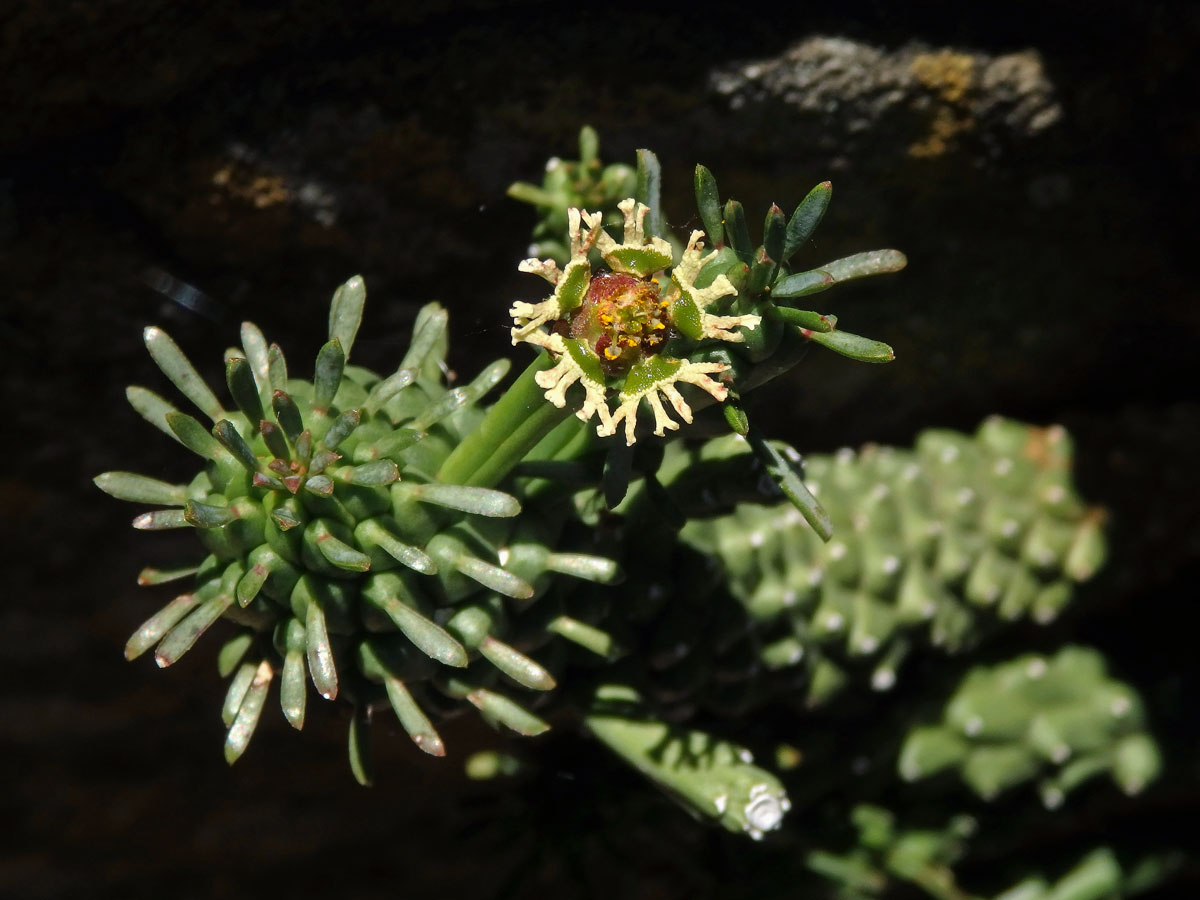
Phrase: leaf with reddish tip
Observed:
(412, 718)
(239, 377)
(231, 439)
(774, 229)
(737, 233)
(272, 436)
(203, 515)
(806, 319)
(236, 692)
(248, 713)
(320, 652)
(287, 414)
(277, 374)
(321, 460)
(284, 519)
(293, 688)
(150, 576)
(161, 520)
(181, 638)
(160, 623)
(321, 485)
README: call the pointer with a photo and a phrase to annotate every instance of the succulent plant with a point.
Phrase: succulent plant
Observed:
(1059, 719)
(934, 545)
(332, 544)
(398, 542)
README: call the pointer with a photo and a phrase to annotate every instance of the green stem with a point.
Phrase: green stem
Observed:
(518, 421)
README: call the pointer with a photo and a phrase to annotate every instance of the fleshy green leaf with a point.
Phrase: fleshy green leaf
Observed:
(806, 319)
(649, 191)
(853, 345)
(277, 368)
(802, 284)
(287, 414)
(228, 437)
(861, 265)
(239, 376)
(789, 482)
(195, 436)
(161, 520)
(141, 489)
(242, 729)
(360, 746)
(258, 356)
(171, 360)
(160, 623)
(151, 407)
(806, 218)
(345, 313)
(464, 498)
(412, 718)
(708, 202)
(737, 232)
(181, 638)
(327, 377)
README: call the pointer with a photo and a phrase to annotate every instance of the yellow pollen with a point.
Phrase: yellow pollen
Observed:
(610, 354)
(630, 342)
(659, 326)
(606, 319)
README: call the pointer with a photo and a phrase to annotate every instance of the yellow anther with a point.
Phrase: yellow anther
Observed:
(658, 325)
(609, 353)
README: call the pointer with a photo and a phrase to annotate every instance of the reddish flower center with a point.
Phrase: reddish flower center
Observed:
(622, 319)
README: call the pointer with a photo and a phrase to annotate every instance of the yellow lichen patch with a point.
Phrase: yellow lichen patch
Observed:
(950, 77)
(259, 190)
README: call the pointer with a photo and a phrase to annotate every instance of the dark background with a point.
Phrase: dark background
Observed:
(1037, 163)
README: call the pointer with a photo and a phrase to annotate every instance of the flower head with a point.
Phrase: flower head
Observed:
(621, 328)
